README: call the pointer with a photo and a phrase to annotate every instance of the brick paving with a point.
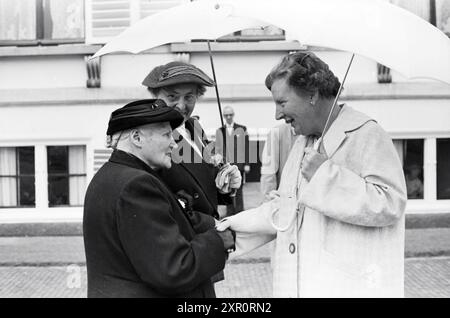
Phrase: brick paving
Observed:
(37, 266)
(427, 277)
(424, 277)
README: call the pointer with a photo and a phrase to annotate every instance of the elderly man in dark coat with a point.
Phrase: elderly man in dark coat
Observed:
(140, 239)
(180, 85)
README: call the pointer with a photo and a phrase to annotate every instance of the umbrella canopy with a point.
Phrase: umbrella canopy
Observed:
(198, 20)
(372, 28)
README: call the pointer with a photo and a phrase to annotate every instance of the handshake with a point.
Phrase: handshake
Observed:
(228, 236)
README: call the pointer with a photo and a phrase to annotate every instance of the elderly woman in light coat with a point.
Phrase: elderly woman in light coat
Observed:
(338, 216)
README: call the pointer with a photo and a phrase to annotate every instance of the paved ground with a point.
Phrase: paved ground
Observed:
(425, 277)
(61, 250)
(54, 266)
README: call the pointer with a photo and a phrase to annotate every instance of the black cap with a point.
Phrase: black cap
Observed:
(176, 73)
(143, 112)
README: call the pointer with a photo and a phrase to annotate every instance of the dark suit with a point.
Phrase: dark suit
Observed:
(195, 175)
(139, 241)
(234, 148)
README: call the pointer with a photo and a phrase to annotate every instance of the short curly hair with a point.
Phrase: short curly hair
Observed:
(305, 72)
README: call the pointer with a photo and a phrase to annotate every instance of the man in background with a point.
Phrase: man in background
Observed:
(279, 142)
(232, 143)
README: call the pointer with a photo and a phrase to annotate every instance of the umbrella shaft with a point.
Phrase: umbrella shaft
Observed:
(335, 102)
(215, 83)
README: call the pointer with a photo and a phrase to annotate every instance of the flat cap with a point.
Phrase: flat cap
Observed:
(176, 73)
(143, 112)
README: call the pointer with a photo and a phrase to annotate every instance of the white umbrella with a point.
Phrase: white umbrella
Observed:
(198, 20)
(195, 20)
(375, 29)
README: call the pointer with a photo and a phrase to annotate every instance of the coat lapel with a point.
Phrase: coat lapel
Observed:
(347, 120)
(197, 135)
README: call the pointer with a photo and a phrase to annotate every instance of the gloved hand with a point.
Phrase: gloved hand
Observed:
(186, 201)
(228, 237)
(228, 178)
(216, 160)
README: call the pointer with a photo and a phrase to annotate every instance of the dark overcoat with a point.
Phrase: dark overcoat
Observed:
(140, 242)
(239, 154)
(193, 174)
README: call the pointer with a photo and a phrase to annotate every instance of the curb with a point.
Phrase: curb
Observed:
(242, 261)
(413, 221)
(41, 229)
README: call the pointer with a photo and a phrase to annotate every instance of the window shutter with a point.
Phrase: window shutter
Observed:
(107, 18)
(149, 7)
(101, 156)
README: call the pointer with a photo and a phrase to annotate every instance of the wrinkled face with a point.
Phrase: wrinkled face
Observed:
(182, 96)
(157, 145)
(294, 108)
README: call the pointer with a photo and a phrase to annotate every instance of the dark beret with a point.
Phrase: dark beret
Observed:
(176, 73)
(143, 112)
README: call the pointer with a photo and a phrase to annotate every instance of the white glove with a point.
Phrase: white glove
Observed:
(216, 159)
(228, 178)
(223, 224)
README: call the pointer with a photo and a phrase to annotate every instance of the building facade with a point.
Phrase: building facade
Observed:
(55, 102)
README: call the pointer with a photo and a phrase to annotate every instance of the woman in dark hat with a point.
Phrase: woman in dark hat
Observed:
(140, 240)
(180, 85)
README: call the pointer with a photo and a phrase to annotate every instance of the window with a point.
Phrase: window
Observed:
(411, 153)
(256, 34)
(443, 16)
(443, 168)
(17, 180)
(66, 167)
(108, 18)
(437, 12)
(41, 21)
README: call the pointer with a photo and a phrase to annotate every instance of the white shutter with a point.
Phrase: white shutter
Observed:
(149, 7)
(101, 156)
(418, 7)
(107, 18)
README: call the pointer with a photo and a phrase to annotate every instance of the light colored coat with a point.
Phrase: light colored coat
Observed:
(279, 142)
(346, 237)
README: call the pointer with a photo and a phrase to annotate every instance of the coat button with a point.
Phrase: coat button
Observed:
(292, 248)
(196, 196)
